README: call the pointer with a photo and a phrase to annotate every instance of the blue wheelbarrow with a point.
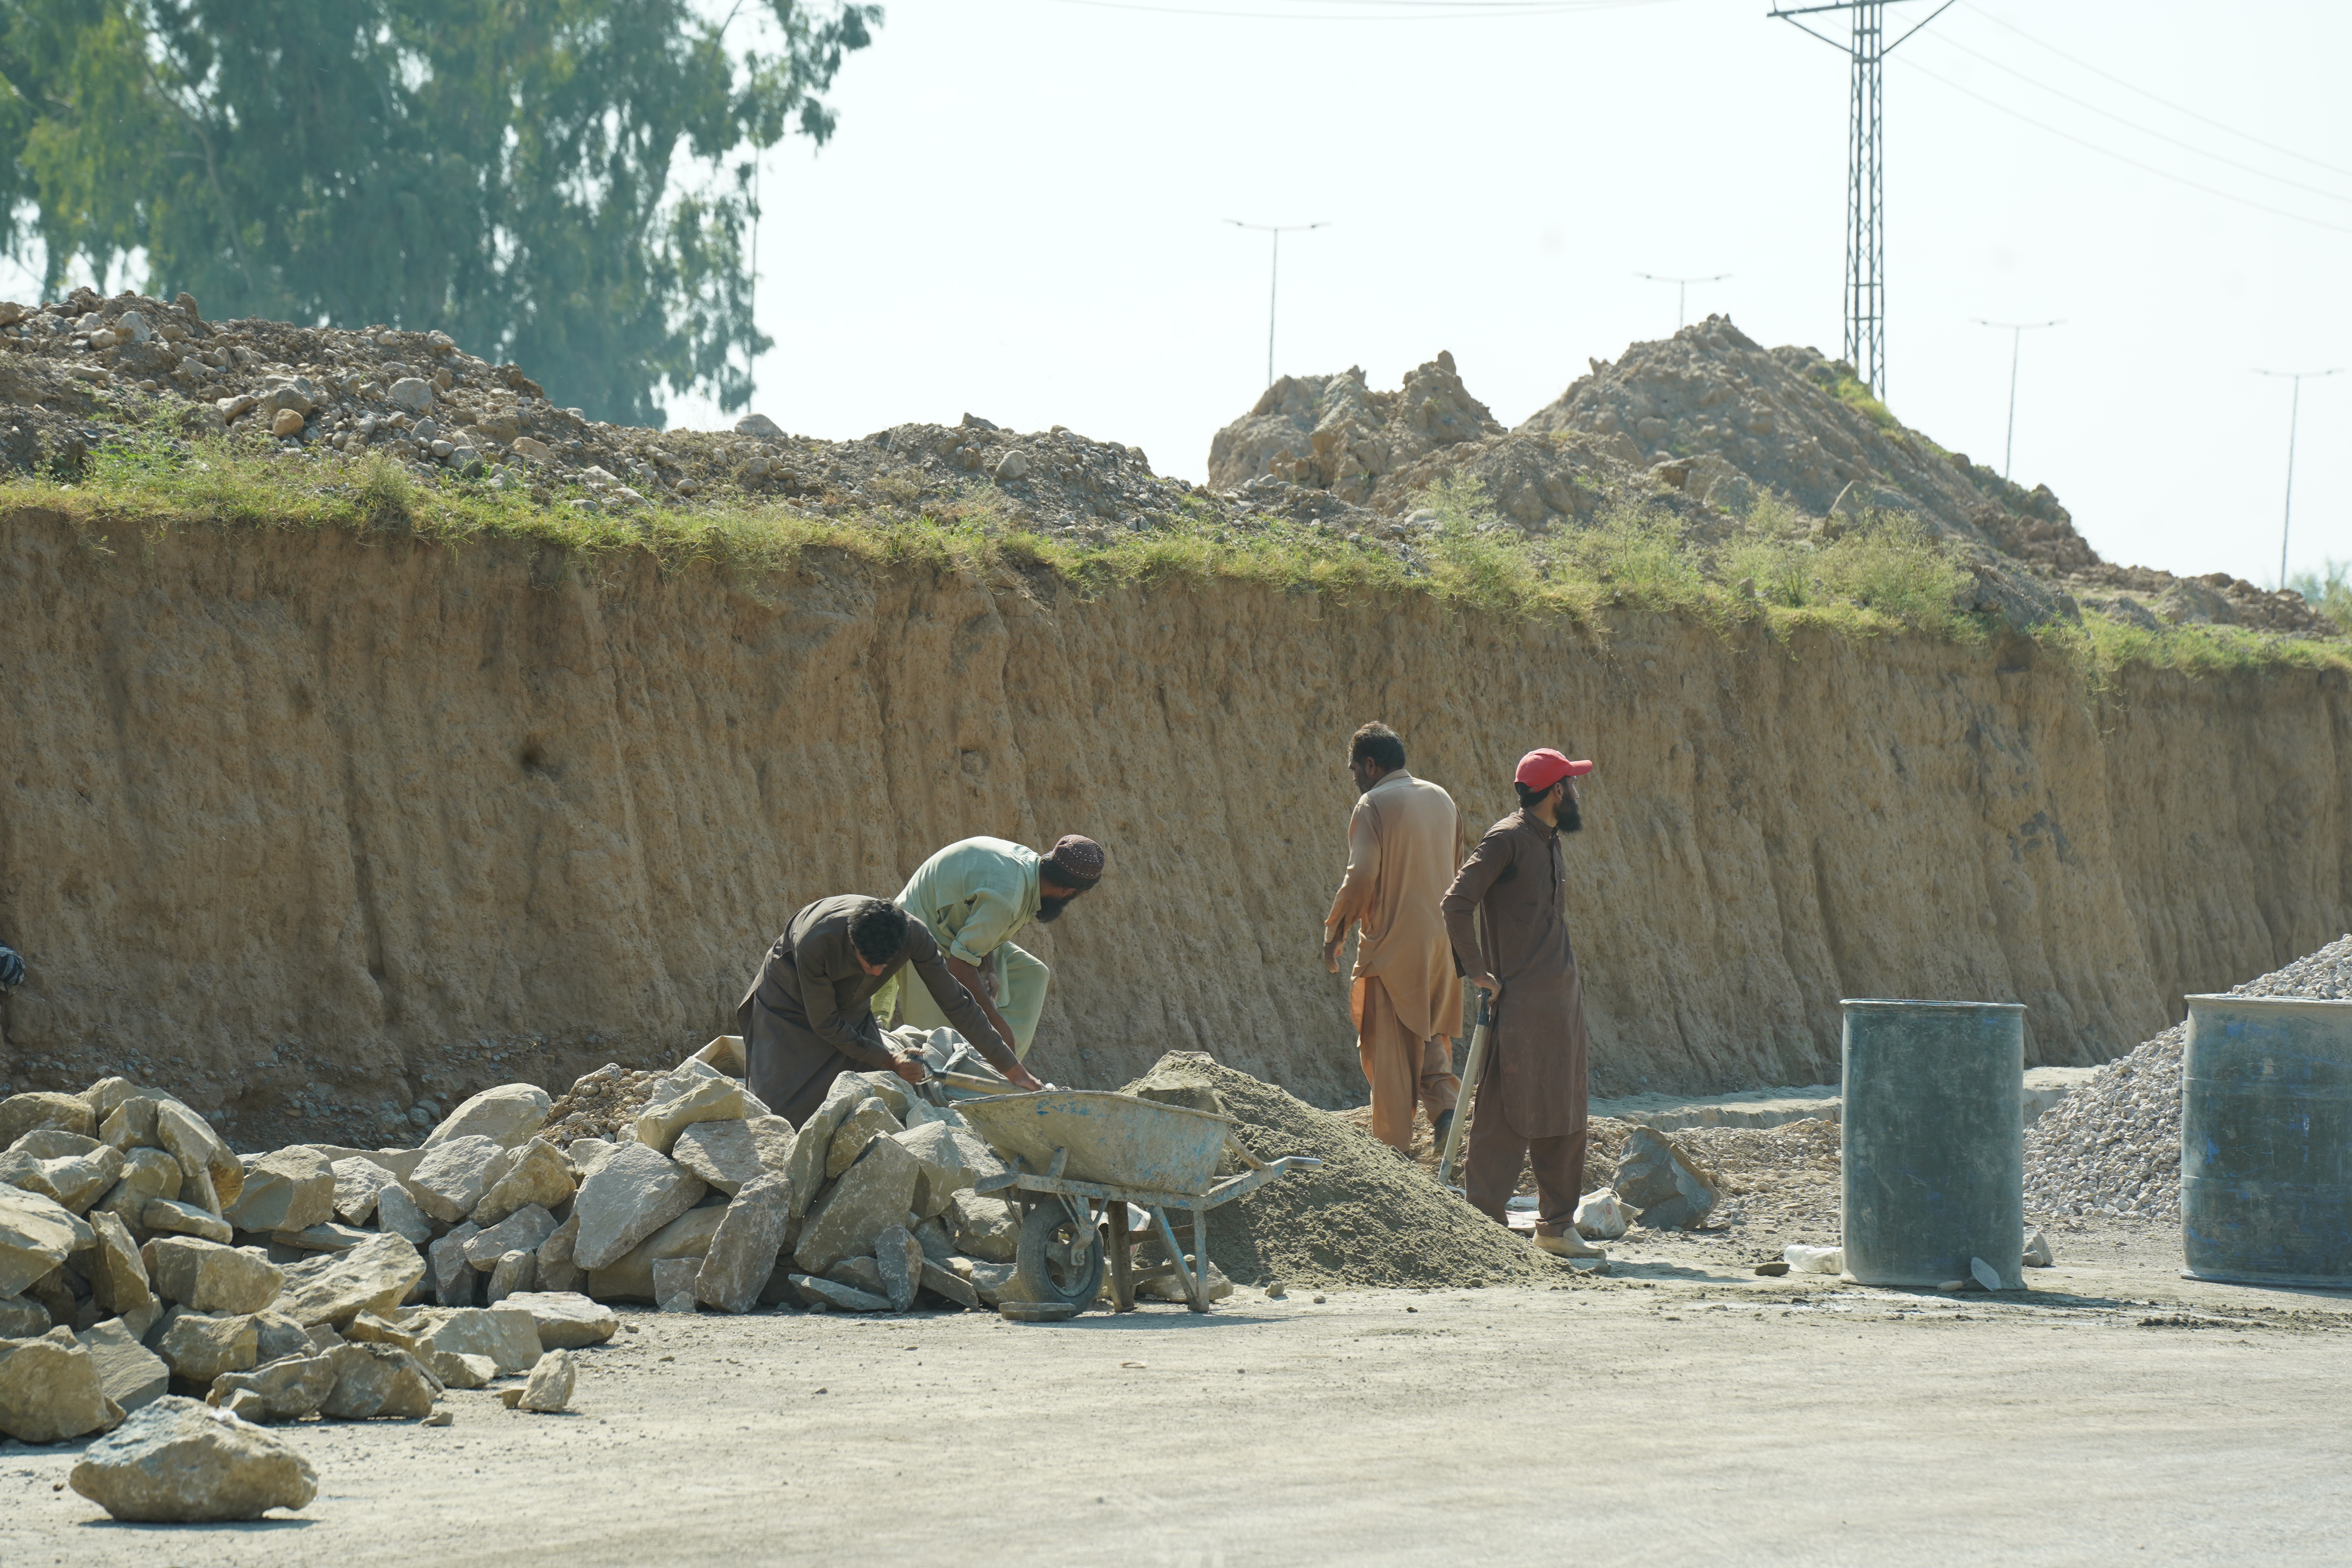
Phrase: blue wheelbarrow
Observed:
(1080, 1157)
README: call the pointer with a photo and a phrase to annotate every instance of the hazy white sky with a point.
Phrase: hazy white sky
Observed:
(1021, 215)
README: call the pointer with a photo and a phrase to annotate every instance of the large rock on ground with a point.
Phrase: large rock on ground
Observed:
(180, 1462)
(508, 1115)
(147, 1174)
(358, 1185)
(710, 1100)
(375, 1276)
(396, 1214)
(133, 1376)
(51, 1390)
(869, 1119)
(952, 1158)
(871, 1196)
(539, 1176)
(130, 1123)
(374, 1380)
(278, 1336)
(742, 1251)
(985, 1227)
(169, 1216)
(75, 1180)
(550, 1386)
(21, 1318)
(453, 1175)
(631, 1276)
(292, 1189)
(566, 1320)
(454, 1275)
(200, 1348)
(516, 1272)
(204, 1158)
(207, 1277)
(117, 1275)
(632, 1195)
(815, 1139)
(726, 1154)
(508, 1336)
(899, 1257)
(35, 1235)
(521, 1231)
(848, 1298)
(1655, 1176)
(554, 1267)
(29, 1112)
(286, 1390)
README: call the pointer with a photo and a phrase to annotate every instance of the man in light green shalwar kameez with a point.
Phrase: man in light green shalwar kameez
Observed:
(974, 897)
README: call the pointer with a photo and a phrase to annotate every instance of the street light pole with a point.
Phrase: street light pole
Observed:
(1681, 286)
(1274, 282)
(2294, 413)
(2017, 331)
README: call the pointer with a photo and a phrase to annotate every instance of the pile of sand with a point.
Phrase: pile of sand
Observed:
(1369, 1216)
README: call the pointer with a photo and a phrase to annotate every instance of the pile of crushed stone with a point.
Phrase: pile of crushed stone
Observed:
(1369, 1217)
(601, 1104)
(2113, 1147)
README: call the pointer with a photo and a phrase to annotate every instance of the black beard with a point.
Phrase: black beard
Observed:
(1571, 819)
(1050, 909)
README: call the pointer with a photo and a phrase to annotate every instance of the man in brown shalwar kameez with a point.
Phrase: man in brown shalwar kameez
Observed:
(809, 1016)
(1404, 839)
(1531, 1097)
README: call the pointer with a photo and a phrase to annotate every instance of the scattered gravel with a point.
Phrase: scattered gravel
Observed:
(2113, 1147)
(600, 1104)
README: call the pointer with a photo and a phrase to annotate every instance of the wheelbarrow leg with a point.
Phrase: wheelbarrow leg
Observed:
(1122, 1260)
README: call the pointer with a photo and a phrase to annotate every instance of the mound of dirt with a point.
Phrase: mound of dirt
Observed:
(1367, 1217)
(1704, 424)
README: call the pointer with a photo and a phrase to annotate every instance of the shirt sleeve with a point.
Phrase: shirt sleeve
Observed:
(994, 915)
(825, 961)
(956, 1004)
(1355, 893)
(1488, 861)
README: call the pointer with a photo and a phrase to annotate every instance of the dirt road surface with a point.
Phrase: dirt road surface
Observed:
(1680, 1410)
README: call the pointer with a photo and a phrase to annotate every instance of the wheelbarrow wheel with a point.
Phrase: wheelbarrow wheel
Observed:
(1058, 1259)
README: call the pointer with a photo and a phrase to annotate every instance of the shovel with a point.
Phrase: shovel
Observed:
(1470, 1071)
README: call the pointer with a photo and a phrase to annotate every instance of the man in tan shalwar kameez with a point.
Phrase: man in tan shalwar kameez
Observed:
(1404, 839)
(1531, 1096)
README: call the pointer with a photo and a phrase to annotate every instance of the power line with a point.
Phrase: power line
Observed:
(2152, 98)
(1682, 286)
(2017, 331)
(2124, 158)
(2294, 411)
(1274, 281)
(2143, 130)
(1865, 187)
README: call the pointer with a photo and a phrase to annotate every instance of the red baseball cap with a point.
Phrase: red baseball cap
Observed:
(1543, 767)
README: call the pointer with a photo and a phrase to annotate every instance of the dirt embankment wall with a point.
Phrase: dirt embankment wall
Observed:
(308, 827)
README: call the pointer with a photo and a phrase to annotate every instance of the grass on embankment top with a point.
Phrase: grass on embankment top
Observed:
(1882, 578)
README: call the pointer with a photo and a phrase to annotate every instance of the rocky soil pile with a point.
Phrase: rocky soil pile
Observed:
(2113, 1147)
(78, 373)
(1705, 422)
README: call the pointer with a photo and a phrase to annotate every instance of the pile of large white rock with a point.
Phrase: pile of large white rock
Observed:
(2113, 1147)
(140, 1257)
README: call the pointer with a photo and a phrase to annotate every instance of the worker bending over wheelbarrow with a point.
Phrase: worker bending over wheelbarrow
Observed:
(809, 1015)
(1531, 1091)
(974, 898)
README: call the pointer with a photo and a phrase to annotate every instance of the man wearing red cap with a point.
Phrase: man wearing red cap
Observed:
(1531, 1099)
(1404, 839)
(974, 897)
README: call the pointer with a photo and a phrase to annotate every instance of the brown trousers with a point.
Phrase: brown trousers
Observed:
(1491, 1172)
(1403, 1069)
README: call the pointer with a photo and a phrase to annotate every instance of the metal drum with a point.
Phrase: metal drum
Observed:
(2267, 1141)
(1933, 1140)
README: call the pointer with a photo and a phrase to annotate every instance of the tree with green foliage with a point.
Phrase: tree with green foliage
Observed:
(547, 181)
